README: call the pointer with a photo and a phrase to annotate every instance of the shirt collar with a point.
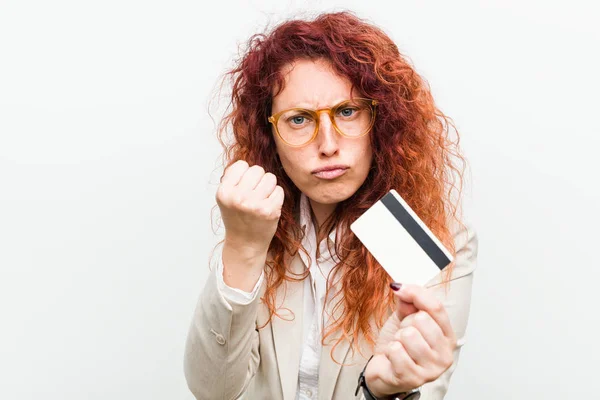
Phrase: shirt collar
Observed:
(305, 218)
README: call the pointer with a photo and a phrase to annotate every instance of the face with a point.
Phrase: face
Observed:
(312, 84)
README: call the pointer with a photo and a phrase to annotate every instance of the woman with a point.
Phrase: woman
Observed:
(328, 117)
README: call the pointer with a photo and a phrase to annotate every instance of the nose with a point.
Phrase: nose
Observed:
(327, 137)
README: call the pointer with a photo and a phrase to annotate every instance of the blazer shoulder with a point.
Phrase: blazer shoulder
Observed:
(466, 245)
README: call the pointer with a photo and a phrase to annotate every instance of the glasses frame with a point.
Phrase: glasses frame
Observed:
(274, 119)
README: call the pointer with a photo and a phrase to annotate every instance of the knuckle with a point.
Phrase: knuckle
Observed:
(444, 360)
(264, 211)
(271, 176)
(422, 316)
(248, 206)
(437, 306)
(444, 364)
(407, 334)
(275, 215)
(398, 335)
(239, 201)
(219, 198)
(410, 332)
(222, 194)
(242, 163)
(239, 164)
(275, 193)
(447, 363)
(416, 381)
(428, 376)
(398, 369)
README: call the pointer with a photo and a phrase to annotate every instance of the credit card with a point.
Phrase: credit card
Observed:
(400, 241)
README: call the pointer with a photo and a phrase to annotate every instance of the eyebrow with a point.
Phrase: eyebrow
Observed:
(315, 108)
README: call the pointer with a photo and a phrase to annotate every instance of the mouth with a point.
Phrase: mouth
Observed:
(330, 172)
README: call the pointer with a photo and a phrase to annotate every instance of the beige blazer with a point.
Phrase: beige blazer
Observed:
(226, 357)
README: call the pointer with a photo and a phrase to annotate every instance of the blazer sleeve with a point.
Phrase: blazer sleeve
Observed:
(222, 347)
(456, 300)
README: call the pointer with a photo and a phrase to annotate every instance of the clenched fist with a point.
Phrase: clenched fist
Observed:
(250, 201)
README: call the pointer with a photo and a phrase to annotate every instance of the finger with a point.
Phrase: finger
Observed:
(276, 199)
(429, 329)
(402, 365)
(405, 309)
(234, 173)
(251, 177)
(266, 186)
(416, 346)
(424, 300)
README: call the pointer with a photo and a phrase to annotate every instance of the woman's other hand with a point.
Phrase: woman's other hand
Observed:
(415, 345)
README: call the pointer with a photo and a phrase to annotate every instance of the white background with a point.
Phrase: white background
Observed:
(109, 164)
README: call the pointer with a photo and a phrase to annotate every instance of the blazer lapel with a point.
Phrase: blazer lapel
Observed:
(287, 331)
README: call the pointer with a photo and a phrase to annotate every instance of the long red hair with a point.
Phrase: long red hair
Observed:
(412, 153)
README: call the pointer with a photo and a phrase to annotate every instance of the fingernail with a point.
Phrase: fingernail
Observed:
(395, 286)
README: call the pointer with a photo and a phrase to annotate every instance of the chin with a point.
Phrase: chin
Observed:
(331, 195)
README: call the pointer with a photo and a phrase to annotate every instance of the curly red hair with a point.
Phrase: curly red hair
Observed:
(412, 152)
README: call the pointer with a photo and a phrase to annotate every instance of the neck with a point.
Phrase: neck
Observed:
(321, 211)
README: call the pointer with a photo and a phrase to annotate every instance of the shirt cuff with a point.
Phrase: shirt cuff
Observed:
(233, 294)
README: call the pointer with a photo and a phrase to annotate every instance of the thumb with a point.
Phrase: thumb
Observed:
(403, 308)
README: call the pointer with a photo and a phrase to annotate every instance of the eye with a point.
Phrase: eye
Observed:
(298, 119)
(347, 111)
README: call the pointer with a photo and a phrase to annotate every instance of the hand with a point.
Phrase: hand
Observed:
(415, 345)
(250, 202)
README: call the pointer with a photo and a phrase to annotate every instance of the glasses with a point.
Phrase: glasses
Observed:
(351, 118)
